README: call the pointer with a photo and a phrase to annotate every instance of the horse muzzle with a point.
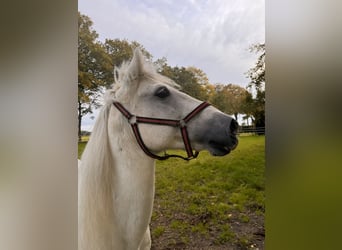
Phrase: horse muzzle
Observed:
(218, 134)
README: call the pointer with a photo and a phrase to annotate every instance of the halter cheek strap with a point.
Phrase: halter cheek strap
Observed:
(182, 124)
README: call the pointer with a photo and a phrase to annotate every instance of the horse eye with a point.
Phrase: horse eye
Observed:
(162, 92)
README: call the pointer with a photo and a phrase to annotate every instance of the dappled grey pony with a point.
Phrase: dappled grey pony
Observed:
(144, 114)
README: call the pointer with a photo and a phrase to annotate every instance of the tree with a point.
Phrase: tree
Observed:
(187, 81)
(248, 107)
(202, 79)
(185, 77)
(160, 64)
(230, 98)
(257, 84)
(257, 73)
(122, 50)
(93, 68)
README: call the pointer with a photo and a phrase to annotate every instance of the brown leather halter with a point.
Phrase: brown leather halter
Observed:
(182, 124)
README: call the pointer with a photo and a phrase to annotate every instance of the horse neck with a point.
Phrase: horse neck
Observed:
(133, 180)
(133, 169)
(116, 180)
(132, 166)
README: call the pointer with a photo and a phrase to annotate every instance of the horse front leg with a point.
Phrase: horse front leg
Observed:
(146, 241)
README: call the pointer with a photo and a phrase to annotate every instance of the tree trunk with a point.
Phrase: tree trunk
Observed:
(79, 121)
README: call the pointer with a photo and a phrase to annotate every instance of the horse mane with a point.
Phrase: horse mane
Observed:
(95, 197)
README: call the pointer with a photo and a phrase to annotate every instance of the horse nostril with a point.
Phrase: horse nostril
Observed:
(234, 126)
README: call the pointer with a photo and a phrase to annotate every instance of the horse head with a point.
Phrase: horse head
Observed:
(144, 95)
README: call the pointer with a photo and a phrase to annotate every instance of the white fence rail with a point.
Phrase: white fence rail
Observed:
(251, 130)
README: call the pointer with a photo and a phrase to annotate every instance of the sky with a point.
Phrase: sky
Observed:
(213, 35)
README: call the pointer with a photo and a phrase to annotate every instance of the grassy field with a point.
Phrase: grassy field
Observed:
(81, 146)
(211, 202)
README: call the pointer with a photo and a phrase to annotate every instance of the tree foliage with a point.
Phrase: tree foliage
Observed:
(207, 89)
(230, 98)
(93, 67)
(120, 51)
(184, 77)
(257, 84)
(257, 73)
(193, 81)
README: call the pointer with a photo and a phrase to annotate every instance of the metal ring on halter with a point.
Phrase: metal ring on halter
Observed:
(132, 120)
(182, 123)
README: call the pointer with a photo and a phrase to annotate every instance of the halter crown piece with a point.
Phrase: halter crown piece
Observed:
(182, 124)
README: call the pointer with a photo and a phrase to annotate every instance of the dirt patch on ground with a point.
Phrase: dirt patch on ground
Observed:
(243, 233)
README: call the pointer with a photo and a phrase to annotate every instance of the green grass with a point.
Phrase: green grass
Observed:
(208, 193)
(85, 138)
(81, 146)
(204, 197)
(158, 231)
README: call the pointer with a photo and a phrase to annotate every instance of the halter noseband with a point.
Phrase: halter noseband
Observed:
(135, 120)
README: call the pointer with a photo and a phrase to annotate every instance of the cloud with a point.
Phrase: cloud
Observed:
(211, 35)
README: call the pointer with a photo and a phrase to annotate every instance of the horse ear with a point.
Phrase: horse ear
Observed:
(136, 66)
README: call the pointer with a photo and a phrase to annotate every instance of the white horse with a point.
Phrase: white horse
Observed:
(116, 174)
